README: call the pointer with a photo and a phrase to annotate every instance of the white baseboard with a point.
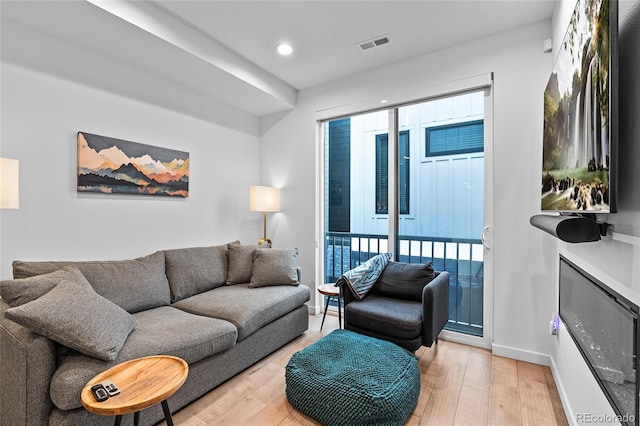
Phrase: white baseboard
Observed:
(465, 339)
(521, 355)
(314, 310)
(568, 412)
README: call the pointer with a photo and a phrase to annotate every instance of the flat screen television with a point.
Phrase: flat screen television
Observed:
(580, 135)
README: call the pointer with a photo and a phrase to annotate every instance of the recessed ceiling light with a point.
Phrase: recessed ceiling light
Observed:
(384, 101)
(284, 49)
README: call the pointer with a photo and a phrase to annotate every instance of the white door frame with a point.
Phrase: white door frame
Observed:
(479, 82)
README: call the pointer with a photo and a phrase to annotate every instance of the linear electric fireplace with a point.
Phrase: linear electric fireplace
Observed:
(604, 326)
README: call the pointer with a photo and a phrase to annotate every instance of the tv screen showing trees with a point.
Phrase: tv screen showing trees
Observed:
(580, 114)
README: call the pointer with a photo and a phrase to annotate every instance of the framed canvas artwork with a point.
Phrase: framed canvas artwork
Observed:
(109, 165)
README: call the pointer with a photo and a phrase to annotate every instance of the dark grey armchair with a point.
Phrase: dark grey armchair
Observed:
(408, 305)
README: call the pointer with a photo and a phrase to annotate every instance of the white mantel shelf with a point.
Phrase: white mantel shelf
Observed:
(624, 238)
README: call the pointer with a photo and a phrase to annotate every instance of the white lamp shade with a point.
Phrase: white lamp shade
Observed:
(264, 199)
(9, 184)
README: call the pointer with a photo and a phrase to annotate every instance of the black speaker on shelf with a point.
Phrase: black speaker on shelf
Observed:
(572, 229)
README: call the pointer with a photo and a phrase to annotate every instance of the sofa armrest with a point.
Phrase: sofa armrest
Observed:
(435, 305)
(28, 363)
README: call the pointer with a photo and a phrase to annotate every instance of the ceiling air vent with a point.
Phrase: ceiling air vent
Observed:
(378, 41)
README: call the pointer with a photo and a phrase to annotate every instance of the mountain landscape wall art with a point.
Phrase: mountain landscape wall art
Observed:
(109, 165)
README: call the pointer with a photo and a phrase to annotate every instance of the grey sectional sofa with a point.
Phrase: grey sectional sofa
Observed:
(220, 308)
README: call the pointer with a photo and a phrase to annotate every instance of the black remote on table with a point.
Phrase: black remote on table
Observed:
(110, 387)
(99, 392)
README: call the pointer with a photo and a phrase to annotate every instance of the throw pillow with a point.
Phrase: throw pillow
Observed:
(20, 291)
(401, 280)
(274, 267)
(74, 315)
(240, 263)
(361, 279)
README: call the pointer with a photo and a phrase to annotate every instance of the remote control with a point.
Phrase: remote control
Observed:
(99, 392)
(111, 388)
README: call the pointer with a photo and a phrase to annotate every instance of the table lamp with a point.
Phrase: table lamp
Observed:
(9, 179)
(264, 199)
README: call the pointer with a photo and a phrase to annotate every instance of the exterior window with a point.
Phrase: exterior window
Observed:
(382, 172)
(458, 138)
(339, 175)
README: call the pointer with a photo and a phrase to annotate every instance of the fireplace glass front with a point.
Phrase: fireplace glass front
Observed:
(603, 325)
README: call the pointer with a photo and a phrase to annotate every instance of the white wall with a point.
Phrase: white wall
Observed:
(41, 114)
(612, 261)
(523, 298)
(40, 117)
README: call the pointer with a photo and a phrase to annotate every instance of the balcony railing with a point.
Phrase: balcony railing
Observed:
(462, 258)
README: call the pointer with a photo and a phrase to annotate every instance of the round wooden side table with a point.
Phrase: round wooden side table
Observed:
(143, 382)
(330, 290)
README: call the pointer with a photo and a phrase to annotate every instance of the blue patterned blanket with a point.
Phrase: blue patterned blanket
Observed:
(361, 279)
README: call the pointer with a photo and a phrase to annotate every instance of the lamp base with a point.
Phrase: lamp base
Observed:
(264, 242)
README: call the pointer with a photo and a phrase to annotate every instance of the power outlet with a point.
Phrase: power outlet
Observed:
(554, 324)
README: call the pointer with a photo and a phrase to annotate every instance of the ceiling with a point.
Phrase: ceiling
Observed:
(226, 49)
(325, 33)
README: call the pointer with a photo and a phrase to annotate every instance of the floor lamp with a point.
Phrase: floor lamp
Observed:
(9, 194)
(264, 199)
(9, 179)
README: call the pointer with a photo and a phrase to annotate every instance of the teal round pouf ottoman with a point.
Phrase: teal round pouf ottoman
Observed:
(347, 378)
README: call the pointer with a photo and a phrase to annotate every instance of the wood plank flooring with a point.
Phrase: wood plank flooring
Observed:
(461, 385)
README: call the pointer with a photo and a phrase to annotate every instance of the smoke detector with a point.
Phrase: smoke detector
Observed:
(374, 42)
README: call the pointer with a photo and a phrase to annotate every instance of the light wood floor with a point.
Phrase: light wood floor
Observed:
(461, 385)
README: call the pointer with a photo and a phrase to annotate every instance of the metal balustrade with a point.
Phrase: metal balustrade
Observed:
(462, 258)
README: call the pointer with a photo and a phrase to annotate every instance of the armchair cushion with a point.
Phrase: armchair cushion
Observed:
(404, 280)
(393, 317)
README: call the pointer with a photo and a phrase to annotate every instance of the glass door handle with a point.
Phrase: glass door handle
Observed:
(483, 237)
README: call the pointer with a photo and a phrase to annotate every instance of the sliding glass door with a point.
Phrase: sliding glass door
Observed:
(441, 198)
(411, 180)
(355, 226)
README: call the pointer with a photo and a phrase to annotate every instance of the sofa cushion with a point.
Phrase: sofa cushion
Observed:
(240, 263)
(134, 285)
(274, 267)
(248, 309)
(404, 280)
(196, 269)
(162, 330)
(23, 290)
(74, 315)
(394, 317)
